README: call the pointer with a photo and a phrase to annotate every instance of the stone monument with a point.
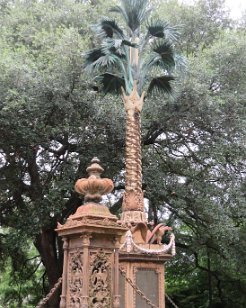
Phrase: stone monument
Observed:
(142, 255)
(91, 244)
(110, 262)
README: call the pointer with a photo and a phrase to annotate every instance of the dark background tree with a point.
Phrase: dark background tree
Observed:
(52, 122)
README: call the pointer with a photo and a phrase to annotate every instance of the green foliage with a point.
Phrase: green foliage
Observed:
(128, 53)
(52, 122)
(21, 271)
(200, 23)
(200, 158)
(48, 119)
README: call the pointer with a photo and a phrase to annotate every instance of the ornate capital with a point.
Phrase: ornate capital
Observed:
(133, 103)
(65, 243)
(85, 239)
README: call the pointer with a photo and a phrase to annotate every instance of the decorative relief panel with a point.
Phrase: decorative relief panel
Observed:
(75, 278)
(100, 281)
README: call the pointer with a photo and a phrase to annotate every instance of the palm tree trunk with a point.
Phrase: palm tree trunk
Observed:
(133, 200)
(133, 153)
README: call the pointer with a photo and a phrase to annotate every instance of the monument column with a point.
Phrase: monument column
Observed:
(142, 255)
(133, 199)
(91, 237)
(64, 274)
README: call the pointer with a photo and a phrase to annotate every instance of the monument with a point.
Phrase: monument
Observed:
(142, 255)
(110, 262)
(91, 242)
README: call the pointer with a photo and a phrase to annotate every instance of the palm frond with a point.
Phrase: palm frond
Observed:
(153, 59)
(117, 43)
(134, 12)
(165, 50)
(118, 65)
(116, 47)
(180, 63)
(108, 28)
(161, 29)
(113, 46)
(161, 84)
(119, 10)
(172, 33)
(101, 58)
(108, 60)
(93, 55)
(111, 83)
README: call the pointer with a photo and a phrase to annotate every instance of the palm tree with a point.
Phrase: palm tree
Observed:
(136, 57)
(127, 54)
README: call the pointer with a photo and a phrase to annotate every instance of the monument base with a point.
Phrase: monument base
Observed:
(147, 275)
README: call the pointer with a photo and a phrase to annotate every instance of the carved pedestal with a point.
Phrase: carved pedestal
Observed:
(96, 244)
(142, 270)
(147, 274)
(90, 270)
(91, 244)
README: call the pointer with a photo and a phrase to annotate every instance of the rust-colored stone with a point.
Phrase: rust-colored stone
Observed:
(91, 242)
(94, 187)
(133, 199)
(157, 233)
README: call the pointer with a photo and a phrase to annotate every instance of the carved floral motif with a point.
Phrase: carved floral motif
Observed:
(133, 217)
(89, 221)
(100, 281)
(75, 280)
(133, 201)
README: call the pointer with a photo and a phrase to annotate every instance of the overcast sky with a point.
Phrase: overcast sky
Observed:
(236, 7)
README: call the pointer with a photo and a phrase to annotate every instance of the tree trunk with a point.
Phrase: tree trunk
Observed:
(47, 247)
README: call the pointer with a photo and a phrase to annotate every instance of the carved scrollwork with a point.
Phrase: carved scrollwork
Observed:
(75, 272)
(100, 281)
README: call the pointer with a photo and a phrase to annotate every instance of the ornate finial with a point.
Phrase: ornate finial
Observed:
(94, 187)
(95, 170)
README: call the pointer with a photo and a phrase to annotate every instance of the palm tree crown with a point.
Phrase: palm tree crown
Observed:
(142, 50)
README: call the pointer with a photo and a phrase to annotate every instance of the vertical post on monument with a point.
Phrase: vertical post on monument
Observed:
(142, 256)
(133, 199)
(91, 243)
